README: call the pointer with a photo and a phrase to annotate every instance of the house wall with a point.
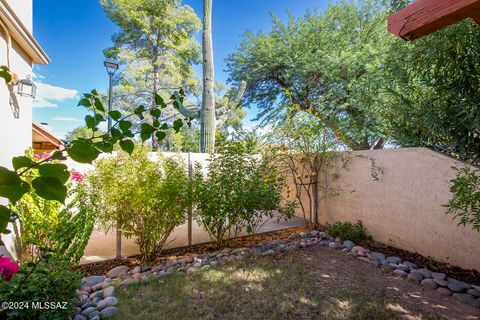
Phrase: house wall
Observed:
(15, 111)
(24, 10)
(404, 208)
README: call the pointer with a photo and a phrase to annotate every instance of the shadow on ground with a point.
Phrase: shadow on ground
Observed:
(314, 284)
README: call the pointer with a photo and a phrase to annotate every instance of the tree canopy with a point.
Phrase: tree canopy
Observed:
(327, 64)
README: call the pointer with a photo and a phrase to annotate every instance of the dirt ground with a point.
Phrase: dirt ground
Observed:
(336, 269)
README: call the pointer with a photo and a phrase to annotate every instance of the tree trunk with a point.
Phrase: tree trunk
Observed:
(208, 118)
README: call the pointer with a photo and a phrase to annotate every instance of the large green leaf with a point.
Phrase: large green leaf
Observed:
(159, 101)
(50, 188)
(125, 125)
(4, 217)
(99, 105)
(82, 151)
(21, 162)
(155, 113)
(177, 124)
(5, 75)
(56, 170)
(160, 135)
(115, 114)
(127, 146)
(84, 102)
(146, 131)
(90, 121)
(14, 192)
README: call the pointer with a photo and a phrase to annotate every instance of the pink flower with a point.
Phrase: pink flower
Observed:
(77, 177)
(7, 268)
(43, 156)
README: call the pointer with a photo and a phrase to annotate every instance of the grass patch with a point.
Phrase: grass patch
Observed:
(262, 289)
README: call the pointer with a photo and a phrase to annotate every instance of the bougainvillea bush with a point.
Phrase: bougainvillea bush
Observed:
(47, 279)
(47, 226)
(148, 197)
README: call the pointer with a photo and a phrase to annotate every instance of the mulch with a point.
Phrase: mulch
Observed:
(102, 267)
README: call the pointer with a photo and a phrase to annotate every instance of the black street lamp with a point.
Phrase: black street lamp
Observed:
(112, 67)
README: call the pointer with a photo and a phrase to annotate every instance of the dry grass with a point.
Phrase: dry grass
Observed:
(285, 288)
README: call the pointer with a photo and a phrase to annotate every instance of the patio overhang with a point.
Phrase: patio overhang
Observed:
(424, 17)
(43, 140)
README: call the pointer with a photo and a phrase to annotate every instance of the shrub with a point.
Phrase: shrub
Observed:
(348, 231)
(149, 198)
(465, 201)
(240, 192)
(49, 280)
(49, 226)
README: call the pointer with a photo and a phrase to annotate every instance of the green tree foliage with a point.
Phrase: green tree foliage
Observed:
(305, 148)
(156, 44)
(240, 191)
(465, 202)
(83, 133)
(433, 86)
(149, 198)
(329, 65)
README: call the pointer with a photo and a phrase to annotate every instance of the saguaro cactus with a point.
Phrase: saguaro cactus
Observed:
(208, 114)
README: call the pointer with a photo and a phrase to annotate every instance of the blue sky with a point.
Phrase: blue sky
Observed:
(74, 33)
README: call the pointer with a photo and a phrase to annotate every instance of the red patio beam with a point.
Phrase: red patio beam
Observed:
(427, 16)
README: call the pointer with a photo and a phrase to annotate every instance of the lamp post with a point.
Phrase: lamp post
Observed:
(112, 67)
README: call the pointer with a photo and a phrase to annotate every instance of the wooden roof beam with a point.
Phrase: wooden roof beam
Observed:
(424, 17)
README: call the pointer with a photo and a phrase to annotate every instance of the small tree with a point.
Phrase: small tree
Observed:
(150, 198)
(305, 149)
(240, 192)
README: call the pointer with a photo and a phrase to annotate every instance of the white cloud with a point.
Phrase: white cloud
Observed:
(66, 119)
(48, 95)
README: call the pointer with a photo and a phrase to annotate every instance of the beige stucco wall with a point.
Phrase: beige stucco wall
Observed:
(404, 208)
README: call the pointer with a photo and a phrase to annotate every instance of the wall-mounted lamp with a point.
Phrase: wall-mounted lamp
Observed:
(26, 88)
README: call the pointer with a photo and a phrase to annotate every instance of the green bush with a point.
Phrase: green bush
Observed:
(49, 280)
(149, 198)
(47, 226)
(240, 192)
(348, 231)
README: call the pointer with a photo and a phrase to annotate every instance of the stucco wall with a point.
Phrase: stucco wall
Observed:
(404, 208)
(23, 9)
(15, 116)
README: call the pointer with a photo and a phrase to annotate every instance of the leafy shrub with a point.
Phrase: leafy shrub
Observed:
(49, 226)
(348, 231)
(240, 192)
(49, 280)
(465, 201)
(149, 198)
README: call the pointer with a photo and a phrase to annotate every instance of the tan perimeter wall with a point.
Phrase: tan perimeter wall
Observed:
(404, 208)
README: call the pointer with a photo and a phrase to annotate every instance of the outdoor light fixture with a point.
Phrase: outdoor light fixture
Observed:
(26, 88)
(111, 66)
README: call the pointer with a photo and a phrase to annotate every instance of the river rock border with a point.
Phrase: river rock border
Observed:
(97, 300)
